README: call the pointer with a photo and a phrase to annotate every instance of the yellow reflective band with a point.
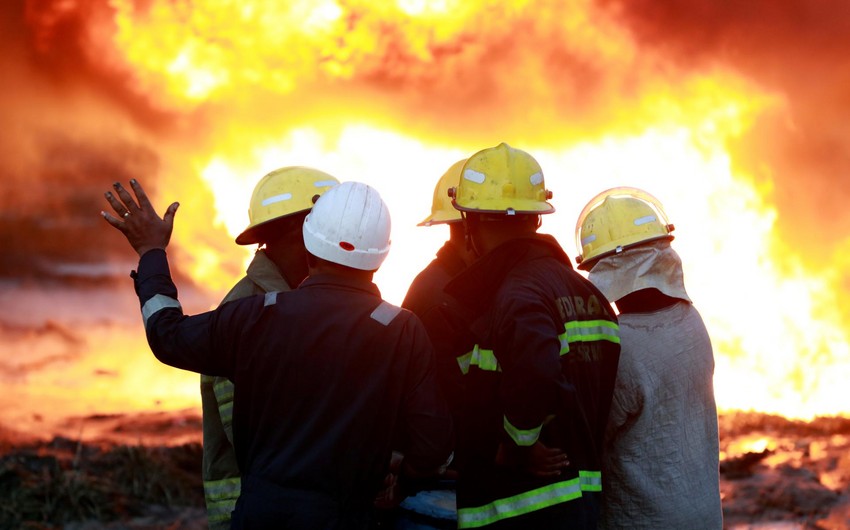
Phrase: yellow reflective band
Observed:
(590, 480)
(219, 490)
(521, 504)
(221, 510)
(223, 390)
(225, 410)
(483, 359)
(157, 303)
(588, 331)
(522, 437)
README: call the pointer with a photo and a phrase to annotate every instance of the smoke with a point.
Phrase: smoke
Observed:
(793, 48)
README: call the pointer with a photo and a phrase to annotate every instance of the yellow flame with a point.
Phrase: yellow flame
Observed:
(780, 346)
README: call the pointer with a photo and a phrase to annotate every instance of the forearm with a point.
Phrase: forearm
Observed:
(175, 339)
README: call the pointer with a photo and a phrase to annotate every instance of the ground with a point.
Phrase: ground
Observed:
(141, 472)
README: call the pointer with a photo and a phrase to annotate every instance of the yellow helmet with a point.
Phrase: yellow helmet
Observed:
(617, 219)
(283, 192)
(502, 180)
(442, 210)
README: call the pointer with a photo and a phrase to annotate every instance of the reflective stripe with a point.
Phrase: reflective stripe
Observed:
(385, 313)
(158, 302)
(522, 437)
(226, 488)
(277, 198)
(271, 299)
(521, 504)
(588, 331)
(221, 496)
(225, 411)
(590, 480)
(483, 359)
(223, 390)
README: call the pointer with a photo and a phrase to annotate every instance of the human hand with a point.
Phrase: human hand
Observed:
(139, 223)
(537, 460)
(390, 497)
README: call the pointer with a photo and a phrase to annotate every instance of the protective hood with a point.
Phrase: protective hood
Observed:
(653, 265)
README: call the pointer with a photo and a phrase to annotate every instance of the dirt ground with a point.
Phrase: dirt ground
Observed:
(141, 473)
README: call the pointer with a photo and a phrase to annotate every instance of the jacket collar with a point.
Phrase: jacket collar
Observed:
(339, 280)
(477, 285)
(263, 272)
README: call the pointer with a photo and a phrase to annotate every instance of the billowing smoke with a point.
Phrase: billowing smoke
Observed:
(799, 51)
(181, 94)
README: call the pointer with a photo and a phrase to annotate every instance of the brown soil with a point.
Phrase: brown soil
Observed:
(142, 473)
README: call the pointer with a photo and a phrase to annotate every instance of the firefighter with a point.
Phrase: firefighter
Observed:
(539, 374)
(279, 203)
(327, 377)
(425, 296)
(661, 467)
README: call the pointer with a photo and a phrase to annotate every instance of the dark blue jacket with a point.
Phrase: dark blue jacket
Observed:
(329, 380)
(542, 367)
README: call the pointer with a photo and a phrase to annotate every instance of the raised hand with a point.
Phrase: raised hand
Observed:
(137, 220)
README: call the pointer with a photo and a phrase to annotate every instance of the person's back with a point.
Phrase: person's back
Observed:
(280, 201)
(542, 357)
(329, 379)
(341, 365)
(662, 449)
(534, 358)
(661, 458)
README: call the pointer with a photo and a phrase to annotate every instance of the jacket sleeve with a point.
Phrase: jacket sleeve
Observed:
(203, 343)
(428, 426)
(526, 345)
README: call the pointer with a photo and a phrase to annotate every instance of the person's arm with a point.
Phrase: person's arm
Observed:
(528, 350)
(192, 343)
(429, 432)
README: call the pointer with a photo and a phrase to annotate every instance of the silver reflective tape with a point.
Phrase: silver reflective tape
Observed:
(589, 239)
(324, 183)
(270, 299)
(385, 313)
(536, 178)
(645, 219)
(277, 198)
(159, 301)
(474, 176)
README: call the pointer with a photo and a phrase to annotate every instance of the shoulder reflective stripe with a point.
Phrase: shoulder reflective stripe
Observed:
(483, 359)
(226, 488)
(271, 299)
(522, 437)
(158, 302)
(590, 480)
(521, 504)
(385, 313)
(588, 331)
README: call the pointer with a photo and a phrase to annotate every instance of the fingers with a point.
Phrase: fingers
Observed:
(119, 208)
(169, 213)
(112, 220)
(144, 202)
(124, 195)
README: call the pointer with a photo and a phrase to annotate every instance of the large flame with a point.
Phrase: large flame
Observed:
(392, 93)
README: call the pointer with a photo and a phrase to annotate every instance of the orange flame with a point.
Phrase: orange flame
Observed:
(391, 93)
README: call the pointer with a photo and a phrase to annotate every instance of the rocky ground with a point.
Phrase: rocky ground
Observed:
(141, 473)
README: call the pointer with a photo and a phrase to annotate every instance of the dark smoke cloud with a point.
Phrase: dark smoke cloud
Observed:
(795, 48)
(73, 126)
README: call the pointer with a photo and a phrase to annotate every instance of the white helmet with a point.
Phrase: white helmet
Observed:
(349, 225)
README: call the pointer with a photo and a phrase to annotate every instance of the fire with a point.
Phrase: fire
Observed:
(392, 93)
